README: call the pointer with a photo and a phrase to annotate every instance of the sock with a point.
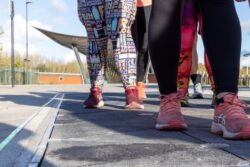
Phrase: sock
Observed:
(196, 78)
(221, 95)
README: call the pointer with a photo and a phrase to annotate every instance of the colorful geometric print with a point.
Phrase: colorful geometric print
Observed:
(109, 19)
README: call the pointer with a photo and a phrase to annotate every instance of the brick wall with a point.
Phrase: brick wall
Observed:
(59, 78)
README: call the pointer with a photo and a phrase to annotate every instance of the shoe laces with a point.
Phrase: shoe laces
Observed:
(234, 106)
(140, 88)
(95, 92)
(141, 85)
(169, 102)
(233, 99)
(132, 91)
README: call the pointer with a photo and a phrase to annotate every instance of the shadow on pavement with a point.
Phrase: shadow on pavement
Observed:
(15, 153)
(33, 99)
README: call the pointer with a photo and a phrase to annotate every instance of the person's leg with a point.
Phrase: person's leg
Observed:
(97, 47)
(207, 64)
(194, 68)
(164, 42)
(184, 69)
(140, 37)
(188, 29)
(223, 46)
(164, 46)
(209, 71)
(195, 77)
(120, 16)
(211, 78)
(185, 64)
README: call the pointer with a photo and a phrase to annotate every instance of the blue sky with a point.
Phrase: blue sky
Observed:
(61, 16)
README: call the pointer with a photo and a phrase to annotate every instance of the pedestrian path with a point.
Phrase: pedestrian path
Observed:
(25, 115)
(114, 137)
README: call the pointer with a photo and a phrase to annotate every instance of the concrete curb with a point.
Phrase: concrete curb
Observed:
(44, 142)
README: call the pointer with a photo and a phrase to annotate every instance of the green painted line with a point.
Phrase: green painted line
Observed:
(14, 133)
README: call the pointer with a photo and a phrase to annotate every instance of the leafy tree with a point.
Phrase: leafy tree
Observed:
(41, 68)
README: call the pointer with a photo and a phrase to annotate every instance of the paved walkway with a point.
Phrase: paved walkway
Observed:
(25, 115)
(114, 137)
(111, 136)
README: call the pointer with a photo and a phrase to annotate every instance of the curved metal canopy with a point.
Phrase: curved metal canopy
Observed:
(67, 40)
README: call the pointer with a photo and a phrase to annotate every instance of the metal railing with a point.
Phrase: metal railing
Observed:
(244, 80)
(5, 76)
(111, 74)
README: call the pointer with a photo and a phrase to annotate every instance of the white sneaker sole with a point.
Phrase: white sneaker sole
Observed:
(197, 96)
(99, 105)
(220, 129)
(133, 105)
(176, 126)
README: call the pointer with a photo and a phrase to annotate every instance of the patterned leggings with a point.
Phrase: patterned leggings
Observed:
(109, 19)
(191, 15)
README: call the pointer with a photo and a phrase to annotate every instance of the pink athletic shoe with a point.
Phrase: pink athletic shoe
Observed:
(95, 98)
(230, 118)
(132, 98)
(141, 90)
(170, 117)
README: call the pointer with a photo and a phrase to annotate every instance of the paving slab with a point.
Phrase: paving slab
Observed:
(17, 105)
(20, 102)
(115, 137)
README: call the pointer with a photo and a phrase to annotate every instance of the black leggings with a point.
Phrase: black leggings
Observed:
(140, 36)
(221, 37)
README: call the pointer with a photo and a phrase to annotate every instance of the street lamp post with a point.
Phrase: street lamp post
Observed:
(11, 11)
(26, 60)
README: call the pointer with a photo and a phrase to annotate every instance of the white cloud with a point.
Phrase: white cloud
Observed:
(39, 44)
(59, 5)
(20, 35)
(69, 57)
